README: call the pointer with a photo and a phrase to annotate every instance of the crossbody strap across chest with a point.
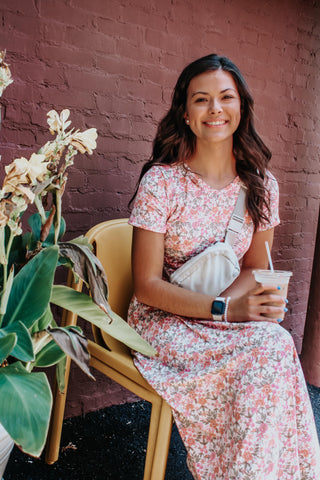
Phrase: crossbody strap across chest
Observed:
(237, 218)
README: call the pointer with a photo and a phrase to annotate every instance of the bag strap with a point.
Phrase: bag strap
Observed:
(237, 217)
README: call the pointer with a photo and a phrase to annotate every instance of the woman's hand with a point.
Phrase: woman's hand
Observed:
(253, 306)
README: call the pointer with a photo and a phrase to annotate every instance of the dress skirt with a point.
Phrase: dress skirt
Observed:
(237, 393)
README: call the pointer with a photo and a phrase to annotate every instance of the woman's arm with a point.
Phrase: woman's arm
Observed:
(247, 299)
(151, 289)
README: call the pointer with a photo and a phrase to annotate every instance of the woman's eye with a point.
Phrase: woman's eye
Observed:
(227, 97)
(199, 100)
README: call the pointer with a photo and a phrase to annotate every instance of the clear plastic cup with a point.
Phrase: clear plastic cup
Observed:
(279, 278)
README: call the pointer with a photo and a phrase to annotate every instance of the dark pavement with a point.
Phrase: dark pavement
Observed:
(110, 445)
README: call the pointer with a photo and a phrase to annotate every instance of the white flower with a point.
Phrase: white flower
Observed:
(22, 171)
(85, 141)
(16, 174)
(37, 167)
(58, 124)
(5, 74)
(49, 149)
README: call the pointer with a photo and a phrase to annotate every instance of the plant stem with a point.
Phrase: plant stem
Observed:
(5, 265)
(57, 221)
(38, 203)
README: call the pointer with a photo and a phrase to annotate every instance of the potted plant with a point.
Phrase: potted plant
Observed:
(29, 335)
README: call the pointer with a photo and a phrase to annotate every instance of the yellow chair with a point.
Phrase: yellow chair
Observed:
(112, 245)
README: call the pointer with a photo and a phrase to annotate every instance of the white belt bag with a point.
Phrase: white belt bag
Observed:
(216, 268)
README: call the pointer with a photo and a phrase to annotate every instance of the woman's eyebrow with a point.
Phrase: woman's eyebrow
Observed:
(206, 93)
(201, 93)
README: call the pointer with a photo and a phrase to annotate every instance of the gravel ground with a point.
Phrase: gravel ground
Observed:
(110, 445)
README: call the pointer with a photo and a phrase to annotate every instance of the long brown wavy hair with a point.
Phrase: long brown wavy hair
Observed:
(174, 142)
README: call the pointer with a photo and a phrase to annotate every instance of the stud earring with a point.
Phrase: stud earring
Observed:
(187, 122)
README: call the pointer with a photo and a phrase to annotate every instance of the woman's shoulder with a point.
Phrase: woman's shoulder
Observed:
(165, 174)
(270, 177)
(271, 182)
(166, 171)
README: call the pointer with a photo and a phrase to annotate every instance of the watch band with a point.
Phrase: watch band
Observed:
(218, 308)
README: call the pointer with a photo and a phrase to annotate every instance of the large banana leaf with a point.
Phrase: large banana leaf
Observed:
(49, 355)
(31, 289)
(25, 407)
(43, 322)
(7, 343)
(111, 323)
(23, 349)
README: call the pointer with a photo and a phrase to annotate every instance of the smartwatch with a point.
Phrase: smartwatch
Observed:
(218, 308)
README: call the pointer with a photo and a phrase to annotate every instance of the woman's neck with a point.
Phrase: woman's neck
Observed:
(215, 163)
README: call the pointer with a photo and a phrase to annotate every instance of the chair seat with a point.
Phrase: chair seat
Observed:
(120, 361)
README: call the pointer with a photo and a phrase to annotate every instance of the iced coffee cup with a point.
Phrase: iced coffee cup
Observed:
(277, 278)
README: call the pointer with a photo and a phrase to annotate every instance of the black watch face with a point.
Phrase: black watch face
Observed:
(218, 307)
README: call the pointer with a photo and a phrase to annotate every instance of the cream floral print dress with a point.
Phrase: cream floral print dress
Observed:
(237, 391)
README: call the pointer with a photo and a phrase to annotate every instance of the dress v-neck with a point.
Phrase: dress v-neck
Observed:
(199, 178)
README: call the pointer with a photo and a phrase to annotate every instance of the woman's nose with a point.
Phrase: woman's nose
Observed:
(215, 106)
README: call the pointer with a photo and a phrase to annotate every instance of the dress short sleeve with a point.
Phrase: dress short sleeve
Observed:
(150, 210)
(273, 192)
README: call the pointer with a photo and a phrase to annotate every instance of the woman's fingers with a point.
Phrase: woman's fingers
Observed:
(260, 288)
(258, 306)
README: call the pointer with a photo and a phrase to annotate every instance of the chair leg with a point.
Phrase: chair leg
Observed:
(163, 443)
(152, 436)
(56, 422)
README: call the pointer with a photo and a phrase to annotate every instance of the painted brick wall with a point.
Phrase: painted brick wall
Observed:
(113, 63)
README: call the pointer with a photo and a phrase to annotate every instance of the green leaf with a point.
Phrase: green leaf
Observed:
(23, 349)
(31, 289)
(114, 325)
(34, 222)
(49, 355)
(7, 342)
(25, 413)
(43, 322)
(82, 240)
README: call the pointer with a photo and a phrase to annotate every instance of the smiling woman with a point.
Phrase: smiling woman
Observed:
(226, 367)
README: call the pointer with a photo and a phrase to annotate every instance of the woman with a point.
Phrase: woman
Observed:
(235, 387)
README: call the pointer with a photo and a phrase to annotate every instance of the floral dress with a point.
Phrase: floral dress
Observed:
(236, 390)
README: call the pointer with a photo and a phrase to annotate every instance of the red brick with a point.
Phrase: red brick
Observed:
(132, 14)
(65, 98)
(90, 80)
(138, 53)
(59, 11)
(66, 55)
(164, 39)
(110, 9)
(114, 28)
(24, 24)
(20, 7)
(141, 89)
(115, 65)
(18, 44)
(90, 40)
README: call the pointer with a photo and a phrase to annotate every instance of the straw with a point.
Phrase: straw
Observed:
(269, 256)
